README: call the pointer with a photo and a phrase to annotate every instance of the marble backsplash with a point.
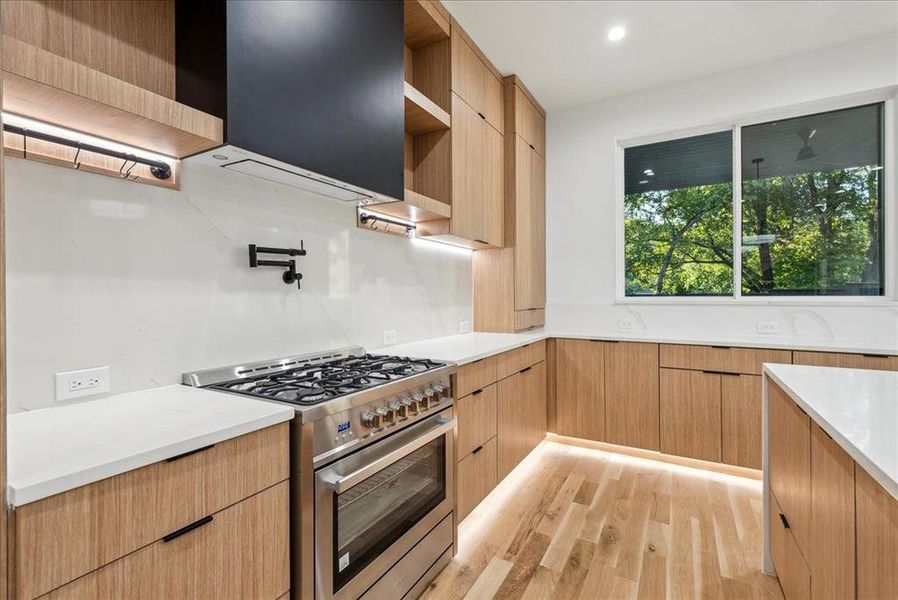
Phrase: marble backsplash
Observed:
(154, 282)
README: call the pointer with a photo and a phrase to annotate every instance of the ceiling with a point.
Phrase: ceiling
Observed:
(560, 50)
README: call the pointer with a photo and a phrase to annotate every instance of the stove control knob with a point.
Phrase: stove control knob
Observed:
(401, 408)
(426, 401)
(414, 406)
(372, 420)
(388, 414)
(441, 391)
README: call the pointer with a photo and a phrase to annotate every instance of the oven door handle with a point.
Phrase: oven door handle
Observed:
(341, 483)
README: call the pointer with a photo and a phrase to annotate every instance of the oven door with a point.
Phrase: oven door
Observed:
(373, 506)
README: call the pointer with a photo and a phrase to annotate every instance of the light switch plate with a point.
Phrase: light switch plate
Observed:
(626, 323)
(389, 337)
(464, 327)
(81, 383)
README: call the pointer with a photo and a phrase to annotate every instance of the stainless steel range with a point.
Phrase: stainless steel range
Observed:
(372, 467)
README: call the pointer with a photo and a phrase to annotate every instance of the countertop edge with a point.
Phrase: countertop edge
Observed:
(22, 494)
(881, 477)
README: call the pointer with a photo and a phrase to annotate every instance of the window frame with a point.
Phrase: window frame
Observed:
(889, 297)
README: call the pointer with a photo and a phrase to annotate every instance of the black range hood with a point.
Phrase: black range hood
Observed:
(310, 91)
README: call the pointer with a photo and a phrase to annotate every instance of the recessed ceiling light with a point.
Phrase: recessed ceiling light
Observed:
(616, 33)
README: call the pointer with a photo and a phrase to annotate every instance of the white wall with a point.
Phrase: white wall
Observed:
(154, 282)
(581, 184)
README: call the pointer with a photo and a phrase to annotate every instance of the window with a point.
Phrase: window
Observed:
(811, 210)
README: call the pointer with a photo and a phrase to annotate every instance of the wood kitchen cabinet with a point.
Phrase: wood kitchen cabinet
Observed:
(846, 361)
(580, 388)
(510, 283)
(791, 567)
(830, 555)
(790, 462)
(473, 150)
(740, 420)
(521, 415)
(632, 407)
(877, 539)
(690, 413)
(59, 539)
(501, 413)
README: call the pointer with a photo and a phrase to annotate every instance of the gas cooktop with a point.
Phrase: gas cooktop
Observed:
(319, 379)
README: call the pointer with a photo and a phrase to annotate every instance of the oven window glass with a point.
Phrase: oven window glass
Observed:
(373, 514)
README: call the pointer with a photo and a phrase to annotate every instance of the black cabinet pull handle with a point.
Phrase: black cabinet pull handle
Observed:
(482, 242)
(785, 522)
(723, 347)
(608, 341)
(477, 449)
(476, 392)
(187, 529)
(186, 454)
(876, 355)
(482, 116)
(525, 369)
(532, 147)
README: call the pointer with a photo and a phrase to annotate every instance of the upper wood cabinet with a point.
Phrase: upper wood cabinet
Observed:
(103, 68)
(476, 81)
(580, 389)
(631, 395)
(510, 284)
(476, 177)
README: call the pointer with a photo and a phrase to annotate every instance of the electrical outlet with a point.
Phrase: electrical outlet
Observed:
(464, 327)
(85, 382)
(626, 323)
(389, 337)
(768, 327)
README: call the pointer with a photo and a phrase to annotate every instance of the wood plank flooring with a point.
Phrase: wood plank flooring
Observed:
(573, 522)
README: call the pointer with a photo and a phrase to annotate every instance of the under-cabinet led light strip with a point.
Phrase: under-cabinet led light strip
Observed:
(27, 123)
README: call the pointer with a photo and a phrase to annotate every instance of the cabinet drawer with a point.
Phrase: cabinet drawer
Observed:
(529, 319)
(846, 361)
(790, 461)
(476, 477)
(475, 376)
(242, 552)
(476, 414)
(725, 359)
(513, 361)
(67, 535)
(791, 569)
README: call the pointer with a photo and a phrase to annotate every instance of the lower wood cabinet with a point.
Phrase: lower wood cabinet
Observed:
(580, 388)
(476, 477)
(877, 539)
(242, 551)
(499, 422)
(690, 414)
(790, 462)
(521, 407)
(830, 554)
(632, 411)
(740, 420)
(791, 568)
(846, 360)
(63, 537)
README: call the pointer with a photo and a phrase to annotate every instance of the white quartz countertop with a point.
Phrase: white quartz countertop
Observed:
(857, 408)
(53, 450)
(469, 347)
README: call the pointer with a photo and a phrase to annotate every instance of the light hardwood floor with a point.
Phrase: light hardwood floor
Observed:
(573, 522)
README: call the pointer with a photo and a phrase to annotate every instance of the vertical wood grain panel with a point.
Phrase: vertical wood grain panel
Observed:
(830, 553)
(580, 389)
(690, 414)
(476, 414)
(4, 573)
(877, 539)
(632, 405)
(790, 461)
(477, 476)
(740, 411)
